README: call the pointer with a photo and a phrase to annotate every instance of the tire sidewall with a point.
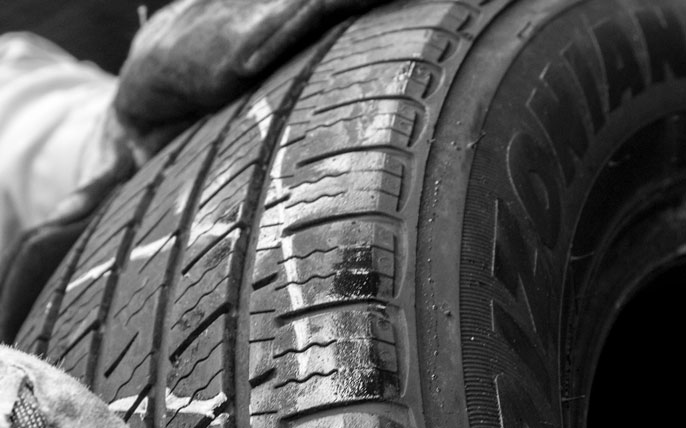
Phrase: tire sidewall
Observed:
(525, 255)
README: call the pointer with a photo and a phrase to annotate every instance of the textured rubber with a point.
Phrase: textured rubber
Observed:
(294, 259)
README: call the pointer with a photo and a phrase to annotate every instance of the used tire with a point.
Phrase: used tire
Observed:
(430, 218)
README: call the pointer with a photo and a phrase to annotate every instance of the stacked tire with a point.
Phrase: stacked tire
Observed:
(429, 218)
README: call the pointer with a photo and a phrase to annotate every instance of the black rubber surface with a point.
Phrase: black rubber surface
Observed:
(379, 235)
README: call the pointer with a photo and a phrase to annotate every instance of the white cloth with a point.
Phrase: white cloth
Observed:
(51, 107)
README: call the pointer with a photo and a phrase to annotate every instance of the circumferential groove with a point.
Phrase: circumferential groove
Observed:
(172, 275)
(274, 133)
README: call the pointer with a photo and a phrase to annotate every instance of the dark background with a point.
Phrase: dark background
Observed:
(95, 30)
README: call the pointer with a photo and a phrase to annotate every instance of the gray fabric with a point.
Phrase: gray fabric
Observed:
(35, 394)
(26, 412)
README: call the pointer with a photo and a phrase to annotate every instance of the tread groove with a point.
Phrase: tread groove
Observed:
(317, 198)
(340, 174)
(157, 412)
(120, 357)
(369, 216)
(228, 180)
(216, 240)
(195, 364)
(198, 300)
(263, 378)
(261, 283)
(336, 106)
(121, 259)
(277, 201)
(327, 308)
(405, 155)
(92, 327)
(306, 378)
(130, 378)
(429, 64)
(277, 127)
(305, 348)
(308, 255)
(221, 310)
(55, 302)
(193, 395)
(306, 280)
(139, 399)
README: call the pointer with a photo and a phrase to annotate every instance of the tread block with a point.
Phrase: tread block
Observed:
(327, 253)
(357, 420)
(369, 129)
(321, 391)
(347, 163)
(195, 382)
(297, 367)
(75, 361)
(342, 276)
(401, 77)
(219, 214)
(264, 420)
(233, 162)
(136, 306)
(449, 16)
(204, 289)
(324, 328)
(100, 259)
(391, 47)
(358, 181)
